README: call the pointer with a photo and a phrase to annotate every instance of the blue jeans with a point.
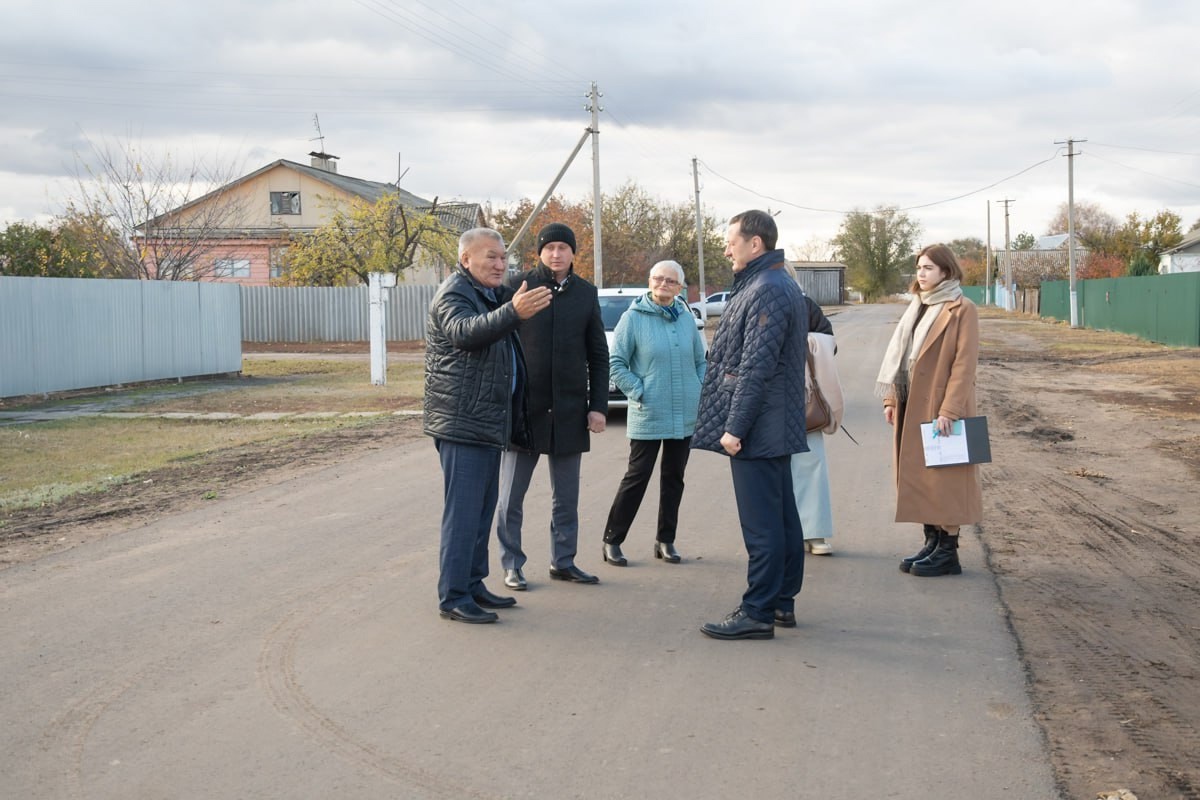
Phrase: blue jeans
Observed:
(772, 532)
(516, 471)
(471, 477)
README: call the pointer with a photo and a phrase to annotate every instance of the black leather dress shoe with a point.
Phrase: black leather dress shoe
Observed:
(614, 556)
(738, 626)
(515, 580)
(469, 612)
(667, 552)
(573, 574)
(486, 599)
(785, 619)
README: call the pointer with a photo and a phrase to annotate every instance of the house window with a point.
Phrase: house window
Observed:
(231, 268)
(278, 261)
(285, 202)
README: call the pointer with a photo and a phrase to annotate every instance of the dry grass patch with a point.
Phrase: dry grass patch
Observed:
(304, 385)
(42, 463)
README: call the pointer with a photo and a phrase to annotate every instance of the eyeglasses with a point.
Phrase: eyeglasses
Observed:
(664, 280)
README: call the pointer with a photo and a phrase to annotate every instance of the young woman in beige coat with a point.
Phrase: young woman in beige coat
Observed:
(928, 375)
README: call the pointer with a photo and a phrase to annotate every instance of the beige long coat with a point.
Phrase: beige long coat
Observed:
(942, 383)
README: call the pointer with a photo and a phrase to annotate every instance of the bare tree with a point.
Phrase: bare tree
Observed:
(149, 216)
(814, 248)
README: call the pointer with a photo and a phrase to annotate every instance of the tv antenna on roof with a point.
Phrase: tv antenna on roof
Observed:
(319, 137)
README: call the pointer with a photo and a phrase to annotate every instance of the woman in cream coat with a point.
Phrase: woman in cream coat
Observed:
(928, 374)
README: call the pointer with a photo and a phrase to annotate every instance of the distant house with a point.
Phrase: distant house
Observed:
(284, 199)
(1047, 260)
(1183, 257)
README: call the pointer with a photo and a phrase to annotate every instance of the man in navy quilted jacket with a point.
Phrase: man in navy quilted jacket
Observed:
(752, 410)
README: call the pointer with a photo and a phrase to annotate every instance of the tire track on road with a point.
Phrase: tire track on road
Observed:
(277, 673)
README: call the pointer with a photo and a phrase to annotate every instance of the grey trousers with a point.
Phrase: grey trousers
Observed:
(516, 470)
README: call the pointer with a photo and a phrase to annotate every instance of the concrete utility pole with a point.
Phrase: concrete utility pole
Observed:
(377, 323)
(593, 131)
(594, 106)
(1070, 143)
(987, 260)
(700, 241)
(1010, 301)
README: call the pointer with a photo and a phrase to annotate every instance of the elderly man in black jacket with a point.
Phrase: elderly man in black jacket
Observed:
(752, 409)
(474, 410)
(567, 354)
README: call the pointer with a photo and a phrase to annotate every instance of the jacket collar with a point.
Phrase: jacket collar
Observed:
(761, 264)
(547, 274)
(489, 294)
(646, 305)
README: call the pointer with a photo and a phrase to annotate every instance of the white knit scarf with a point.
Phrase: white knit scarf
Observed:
(908, 338)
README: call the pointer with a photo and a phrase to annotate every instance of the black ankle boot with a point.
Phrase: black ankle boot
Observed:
(931, 540)
(942, 561)
(614, 556)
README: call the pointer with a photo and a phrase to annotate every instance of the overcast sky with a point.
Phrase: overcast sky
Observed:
(809, 109)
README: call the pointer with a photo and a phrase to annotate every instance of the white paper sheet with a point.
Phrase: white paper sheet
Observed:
(941, 450)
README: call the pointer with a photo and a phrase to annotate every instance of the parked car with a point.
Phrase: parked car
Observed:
(614, 303)
(713, 305)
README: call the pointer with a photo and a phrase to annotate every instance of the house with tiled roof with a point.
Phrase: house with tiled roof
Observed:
(282, 200)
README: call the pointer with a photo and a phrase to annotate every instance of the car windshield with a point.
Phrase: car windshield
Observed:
(612, 307)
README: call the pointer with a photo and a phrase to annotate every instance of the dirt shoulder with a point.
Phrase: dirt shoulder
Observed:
(1091, 529)
(30, 533)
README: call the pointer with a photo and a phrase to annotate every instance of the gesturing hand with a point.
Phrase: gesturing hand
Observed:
(528, 301)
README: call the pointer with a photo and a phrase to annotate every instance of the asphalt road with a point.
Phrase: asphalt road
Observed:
(286, 644)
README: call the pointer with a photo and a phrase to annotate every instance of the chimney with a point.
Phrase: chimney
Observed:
(323, 161)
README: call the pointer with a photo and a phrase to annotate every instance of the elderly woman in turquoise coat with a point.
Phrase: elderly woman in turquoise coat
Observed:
(657, 360)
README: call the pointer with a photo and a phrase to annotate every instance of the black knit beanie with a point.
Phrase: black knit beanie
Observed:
(556, 232)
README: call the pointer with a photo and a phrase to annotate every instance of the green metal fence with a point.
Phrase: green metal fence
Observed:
(1160, 308)
(974, 294)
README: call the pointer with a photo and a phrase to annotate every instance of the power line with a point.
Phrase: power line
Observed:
(444, 37)
(906, 208)
(708, 167)
(301, 107)
(429, 30)
(572, 77)
(1144, 149)
(989, 186)
(1144, 172)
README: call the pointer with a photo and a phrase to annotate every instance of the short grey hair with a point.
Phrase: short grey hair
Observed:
(475, 234)
(674, 265)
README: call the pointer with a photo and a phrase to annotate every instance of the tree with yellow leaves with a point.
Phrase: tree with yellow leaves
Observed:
(365, 237)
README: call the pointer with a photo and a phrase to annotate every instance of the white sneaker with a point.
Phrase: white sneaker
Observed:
(818, 547)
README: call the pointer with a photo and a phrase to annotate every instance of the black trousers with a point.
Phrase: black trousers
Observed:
(642, 455)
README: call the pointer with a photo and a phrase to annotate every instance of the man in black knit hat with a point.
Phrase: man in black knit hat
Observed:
(567, 358)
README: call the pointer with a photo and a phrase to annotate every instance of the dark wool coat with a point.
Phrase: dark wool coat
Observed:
(942, 384)
(471, 352)
(566, 353)
(754, 385)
